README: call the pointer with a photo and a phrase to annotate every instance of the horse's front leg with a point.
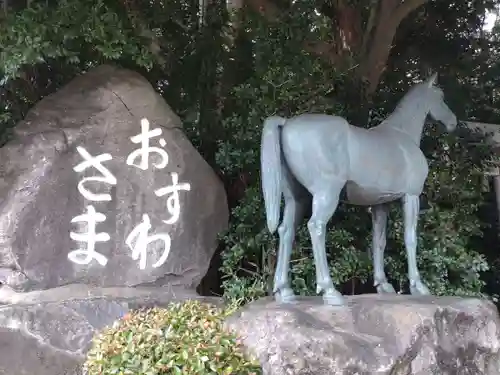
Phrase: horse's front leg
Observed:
(379, 240)
(292, 215)
(411, 209)
(324, 205)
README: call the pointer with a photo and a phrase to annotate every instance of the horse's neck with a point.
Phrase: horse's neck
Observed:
(406, 121)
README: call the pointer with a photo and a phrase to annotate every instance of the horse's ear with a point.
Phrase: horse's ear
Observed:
(432, 80)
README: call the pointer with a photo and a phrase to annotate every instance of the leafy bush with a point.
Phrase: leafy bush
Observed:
(185, 338)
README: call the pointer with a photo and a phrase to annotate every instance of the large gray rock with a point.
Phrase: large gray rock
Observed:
(99, 113)
(373, 334)
(51, 335)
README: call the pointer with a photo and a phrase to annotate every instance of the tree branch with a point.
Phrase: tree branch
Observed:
(370, 24)
(349, 21)
(406, 7)
(373, 63)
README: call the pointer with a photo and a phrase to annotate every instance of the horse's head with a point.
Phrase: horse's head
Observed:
(438, 109)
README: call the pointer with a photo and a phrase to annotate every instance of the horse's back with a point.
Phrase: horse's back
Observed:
(315, 147)
(377, 165)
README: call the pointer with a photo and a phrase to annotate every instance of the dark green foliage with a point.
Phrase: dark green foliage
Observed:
(44, 47)
(450, 262)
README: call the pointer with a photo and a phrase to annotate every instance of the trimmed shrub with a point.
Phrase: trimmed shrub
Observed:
(184, 338)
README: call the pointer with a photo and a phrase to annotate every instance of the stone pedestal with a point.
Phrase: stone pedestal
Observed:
(373, 334)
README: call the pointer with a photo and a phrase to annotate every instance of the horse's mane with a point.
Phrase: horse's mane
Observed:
(407, 104)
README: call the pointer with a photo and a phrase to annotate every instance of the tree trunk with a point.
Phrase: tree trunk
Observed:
(374, 62)
(391, 14)
(372, 50)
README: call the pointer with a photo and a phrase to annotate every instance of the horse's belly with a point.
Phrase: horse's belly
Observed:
(385, 184)
(384, 169)
(369, 195)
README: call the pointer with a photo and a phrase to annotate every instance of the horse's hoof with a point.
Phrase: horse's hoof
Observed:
(333, 298)
(285, 295)
(418, 288)
(385, 288)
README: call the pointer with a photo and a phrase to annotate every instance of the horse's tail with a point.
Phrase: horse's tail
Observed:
(272, 172)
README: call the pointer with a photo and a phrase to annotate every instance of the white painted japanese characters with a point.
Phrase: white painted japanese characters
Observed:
(92, 217)
(139, 237)
(138, 241)
(91, 238)
(96, 162)
(173, 201)
(144, 151)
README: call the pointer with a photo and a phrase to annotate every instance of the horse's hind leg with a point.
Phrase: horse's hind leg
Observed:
(295, 206)
(411, 208)
(379, 240)
(325, 203)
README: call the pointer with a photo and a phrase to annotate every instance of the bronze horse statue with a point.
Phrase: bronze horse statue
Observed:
(310, 158)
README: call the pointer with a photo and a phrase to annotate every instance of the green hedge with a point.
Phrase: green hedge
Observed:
(185, 338)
